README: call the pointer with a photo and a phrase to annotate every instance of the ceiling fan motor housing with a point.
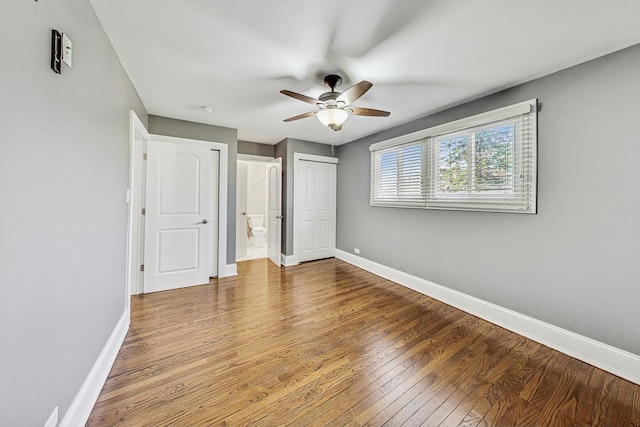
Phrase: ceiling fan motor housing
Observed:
(329, 99)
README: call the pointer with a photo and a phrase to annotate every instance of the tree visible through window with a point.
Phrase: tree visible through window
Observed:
(477, 162)
(453, 165)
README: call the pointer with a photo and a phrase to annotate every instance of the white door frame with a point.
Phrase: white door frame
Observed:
(277, 257)
(249, 158)
(138, 137)
(297, 167)
(242, 240)
(135, 195)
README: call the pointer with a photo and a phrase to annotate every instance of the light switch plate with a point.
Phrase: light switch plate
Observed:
(66, 50)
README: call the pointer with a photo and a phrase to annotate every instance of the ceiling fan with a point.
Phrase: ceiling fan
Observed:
(335, 107)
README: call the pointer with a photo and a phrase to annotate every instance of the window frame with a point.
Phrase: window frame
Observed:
(523, 198)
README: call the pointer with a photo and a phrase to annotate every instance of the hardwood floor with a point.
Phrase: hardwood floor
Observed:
(326, 343)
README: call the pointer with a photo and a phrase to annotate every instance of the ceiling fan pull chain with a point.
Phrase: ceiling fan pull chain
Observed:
(333, 136)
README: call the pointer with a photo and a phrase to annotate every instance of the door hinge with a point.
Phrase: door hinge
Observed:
(144, 211)
(144, 156)
(141, 267)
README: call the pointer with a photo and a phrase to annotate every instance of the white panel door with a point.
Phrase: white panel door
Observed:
(241, 211)
(274, 209)
(180, 215)
(317, 192)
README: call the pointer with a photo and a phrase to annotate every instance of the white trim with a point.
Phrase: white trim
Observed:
(53, 419)
(138, 137)
(477, 120)
(611, 359)
(82, 404)
(314, 158)
(253, 158)
(230, 270)
(274, 239)
(222, 192)
(289, 260)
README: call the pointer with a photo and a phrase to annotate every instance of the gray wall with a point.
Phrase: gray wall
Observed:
(574, 264)
(64, 160)
(253, 148)
(183, 129)
(286, 149)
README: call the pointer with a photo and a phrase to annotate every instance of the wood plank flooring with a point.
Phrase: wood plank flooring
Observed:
(328, 344)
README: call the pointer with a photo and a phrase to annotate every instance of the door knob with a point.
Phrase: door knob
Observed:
(279, 217)
(204, 221)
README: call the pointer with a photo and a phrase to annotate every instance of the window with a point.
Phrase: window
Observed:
(398, 179)
(486, 162)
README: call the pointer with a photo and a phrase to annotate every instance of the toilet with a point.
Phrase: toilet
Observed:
(257, 230)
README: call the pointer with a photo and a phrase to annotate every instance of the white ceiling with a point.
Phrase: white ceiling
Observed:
(421, 56)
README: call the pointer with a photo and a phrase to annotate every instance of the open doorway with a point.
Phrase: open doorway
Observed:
(251, 202)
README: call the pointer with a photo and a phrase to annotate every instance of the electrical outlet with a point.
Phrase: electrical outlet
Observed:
(356, 250)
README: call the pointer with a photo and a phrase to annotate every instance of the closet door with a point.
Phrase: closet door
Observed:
(317, 210)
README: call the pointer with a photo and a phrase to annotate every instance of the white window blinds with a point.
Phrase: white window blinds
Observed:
(397, 175)
(486, 162)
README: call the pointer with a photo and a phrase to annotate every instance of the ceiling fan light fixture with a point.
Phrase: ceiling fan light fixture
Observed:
(332, 117)
(334, 108)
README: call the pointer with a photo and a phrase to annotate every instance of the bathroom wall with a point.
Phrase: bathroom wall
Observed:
(256, 189)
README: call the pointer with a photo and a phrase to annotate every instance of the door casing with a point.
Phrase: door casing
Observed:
(138, 137)
(274, 210)
(135, 195)
(241, 210)
(297, 214)
(241, 220)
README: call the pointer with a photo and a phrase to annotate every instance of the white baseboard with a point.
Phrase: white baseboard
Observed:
(230, 270)
(81, 407)
(611, 359)
(288, 260)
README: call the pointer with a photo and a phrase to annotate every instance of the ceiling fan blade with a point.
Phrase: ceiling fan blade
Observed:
(301, 97)
(358, 111)
(300, 116)
(354, 92)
